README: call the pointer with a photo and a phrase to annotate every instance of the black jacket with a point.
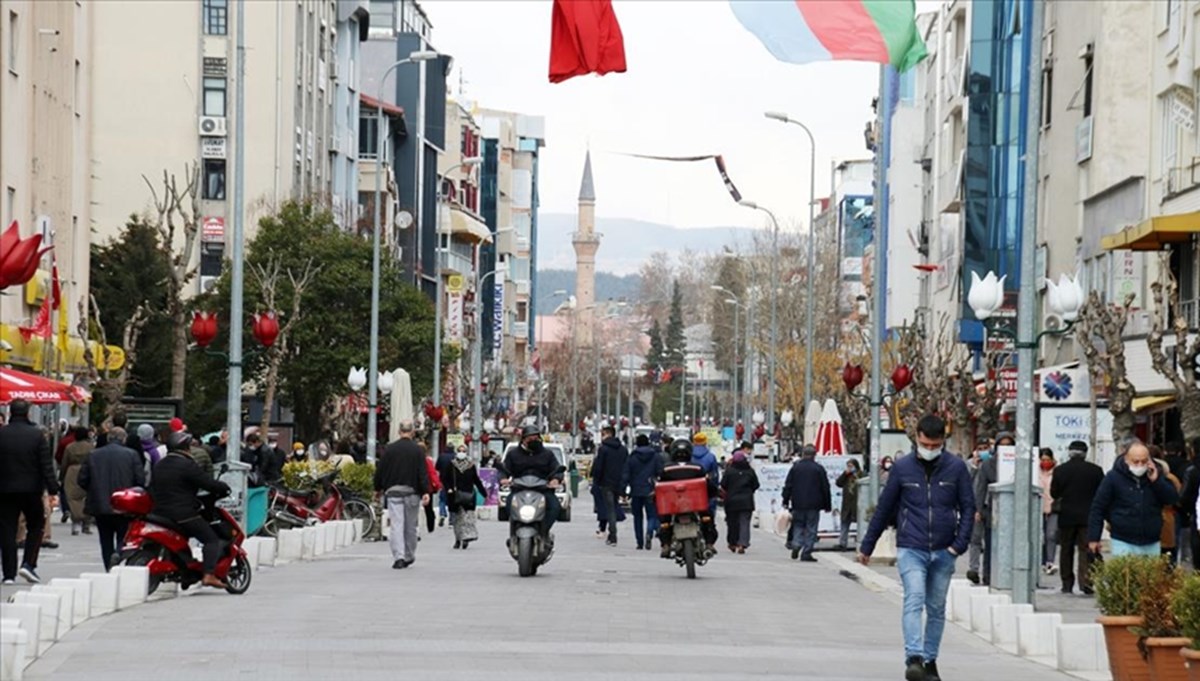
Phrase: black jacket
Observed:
(26, 465)
(739, 483)
(403, 463)
(1191, 491)
(108, 469)
(174, 485)
(807, 487)
(988, 473)
(1131, 505)
(609, 464)
(543, 464)
(270, 464)
(454, 480)
(1074, 486)
(642, 468)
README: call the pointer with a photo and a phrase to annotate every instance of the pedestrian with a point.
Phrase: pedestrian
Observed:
(806, 492)
(151, 451)
(1190, 501)
(885, 469)
(988, 474)
(73, 457)
(930, 500)
(26, 475)
(1073, 487)
(607, 469)
(435, 488)
(1046, 464)
(642, 469)
(1170, 547)
(703, 457)
(982, 453)
(738, 487)
(402, 479)
(444, 462)
(1130, 500)
(460, 481)
(848, 483)
(106, 470)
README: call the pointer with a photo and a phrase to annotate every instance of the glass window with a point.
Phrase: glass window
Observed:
(214, 97)
(13, 35)
(214, 179)
(216, 17)
(368, 136)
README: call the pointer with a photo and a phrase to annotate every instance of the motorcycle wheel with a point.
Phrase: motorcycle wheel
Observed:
(142, 558)
(689, 558)
(238, 577)
(354, 509)
(525, 566)
(270, 527)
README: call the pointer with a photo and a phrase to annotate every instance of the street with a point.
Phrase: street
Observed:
(601, 613)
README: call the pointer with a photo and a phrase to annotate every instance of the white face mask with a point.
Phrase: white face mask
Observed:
(461, 456)
(1138, 471)
(929, 454)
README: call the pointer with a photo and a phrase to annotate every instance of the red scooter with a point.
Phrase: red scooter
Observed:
(158, 544)
(290, 508)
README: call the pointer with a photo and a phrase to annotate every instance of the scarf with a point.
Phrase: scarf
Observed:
(463, 466)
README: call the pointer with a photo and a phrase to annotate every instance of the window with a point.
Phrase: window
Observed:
(1087, 81)
(12, 41)
(214, 97)
(214, 179)
(1047, 94)
(368, 136)
(1170, 142)
(216, 17)
(10, 200)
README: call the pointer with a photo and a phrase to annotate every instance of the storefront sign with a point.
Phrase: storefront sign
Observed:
(213, 229)
(212, 147)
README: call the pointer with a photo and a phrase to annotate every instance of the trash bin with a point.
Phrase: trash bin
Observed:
(574, 482)
(236, 474)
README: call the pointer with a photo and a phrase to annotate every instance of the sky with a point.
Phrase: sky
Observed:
(697, 83)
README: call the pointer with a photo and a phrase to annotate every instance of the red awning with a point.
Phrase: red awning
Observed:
(18, 385)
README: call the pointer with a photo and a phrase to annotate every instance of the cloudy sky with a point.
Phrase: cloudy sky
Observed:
(697, 83)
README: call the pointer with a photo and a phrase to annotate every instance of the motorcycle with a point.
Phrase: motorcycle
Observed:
(527, 509)
(682, 508)
(160, 545)
(291, 508)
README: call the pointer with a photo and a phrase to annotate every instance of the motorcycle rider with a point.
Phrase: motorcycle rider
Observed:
(532, 458)
(683, 468)
(177, 479)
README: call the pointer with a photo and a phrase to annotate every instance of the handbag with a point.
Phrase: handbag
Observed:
(462, 498)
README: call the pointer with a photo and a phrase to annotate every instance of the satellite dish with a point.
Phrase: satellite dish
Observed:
(404, 219)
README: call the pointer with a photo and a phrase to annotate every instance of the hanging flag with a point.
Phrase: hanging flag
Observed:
(41, 325)
(803, 31)
(585, 38)
(56, 304)
(729, 186)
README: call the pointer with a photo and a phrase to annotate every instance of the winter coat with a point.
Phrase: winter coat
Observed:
(403, 463)
(807, 487)
(931, 505)
(106, 470)
(1074, 486)
(1045, 479)
(1132, 506)
(177, 479)
(987, 474)
(73, 457)
(1191, 493)
(435, 480)
(704, 458)
(739, 484)
(609, 465)
(642, 468)
(1169, 514)
(848, 483)
(26, 466)
(467, 480)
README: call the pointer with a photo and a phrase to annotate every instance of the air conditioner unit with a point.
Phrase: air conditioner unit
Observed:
(1052, 322)
(212, 126)
(1139, 323)
(207, 284)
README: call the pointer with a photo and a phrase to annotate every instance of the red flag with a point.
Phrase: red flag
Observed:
(41, 325)
(55, 287)
(585, 38)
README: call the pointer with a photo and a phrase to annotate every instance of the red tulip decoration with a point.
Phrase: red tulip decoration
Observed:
(204, 328)
(266, 328)
(19, 257)
(466, 438)
(759, 431)
(901, 377)
(435, 413)
(740, 431)
(852, 376)
(485, 437)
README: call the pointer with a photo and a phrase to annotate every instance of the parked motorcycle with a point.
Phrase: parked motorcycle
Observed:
(527, 510)
(291, 508)
(159, 544)
(682, 509)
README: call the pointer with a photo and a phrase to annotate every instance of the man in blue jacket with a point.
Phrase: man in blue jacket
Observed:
(642, 469)
(703, 457)
(806, 492)
(929, 499)
(607, 469)
(1131, 500)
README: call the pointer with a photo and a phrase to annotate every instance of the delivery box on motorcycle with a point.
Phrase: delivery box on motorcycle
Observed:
(681, 496)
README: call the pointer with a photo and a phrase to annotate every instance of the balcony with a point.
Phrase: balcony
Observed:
(1191, 312)
(522, 288)
(952, 85)
(520, 332)
(456, 263)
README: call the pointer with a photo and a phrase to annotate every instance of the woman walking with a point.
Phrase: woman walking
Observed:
(848, 482)
(738, 485)
(460, 481)
(73, 457)
(1049, 510)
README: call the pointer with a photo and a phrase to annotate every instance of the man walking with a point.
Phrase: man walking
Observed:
(26, 473)
(607, 471)
(642, 469)
(1131, 500)
(929, 498)
(108, 469)
(403, 479)
(1073, 487)
(987, 475)
(983, 454)
(806, 492)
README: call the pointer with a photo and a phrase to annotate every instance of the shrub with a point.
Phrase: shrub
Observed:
(303, 475)
(359, 477)
(1119, 582)
(1185, 605)
(1154, 601)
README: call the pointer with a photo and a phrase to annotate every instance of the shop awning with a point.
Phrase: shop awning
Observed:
(18, 385)
(466, 225)
(1141, 404)
(1155, 233)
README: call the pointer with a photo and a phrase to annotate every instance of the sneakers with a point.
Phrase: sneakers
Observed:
(795, 554)
(808, 558)
(1087, 590)
(442, 521)
(49, 544)
(931, 672)
(973, 576)
(399, 565)
(29, 574)
(914, 669)
(610, 542)
(9, 582)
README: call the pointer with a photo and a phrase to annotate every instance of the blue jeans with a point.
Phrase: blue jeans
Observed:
(645, 518)
(926, 579)
(804, 530)
(1120, 548)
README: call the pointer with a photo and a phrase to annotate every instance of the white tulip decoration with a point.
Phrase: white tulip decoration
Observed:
(1066, 297)
(759, 418)
(986, 295)
(787, 417)
(385, 383)
(357, 378)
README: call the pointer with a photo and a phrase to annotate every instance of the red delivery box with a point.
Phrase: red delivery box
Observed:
(681, 496)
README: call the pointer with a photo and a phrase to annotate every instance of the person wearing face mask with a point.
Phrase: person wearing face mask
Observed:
(988, 474)
(930, 501)
(982, 454)
(460, 481)
(1073, 487)
(532, 458)
(1131, 501)
(1049, 510)
(885, 469)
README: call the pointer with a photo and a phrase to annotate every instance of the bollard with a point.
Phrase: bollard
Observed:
(104, 592)
(48, 622)
(29, 619)
(962, 602)
(1035, 634)
(133, 585)
(329, 538)
(1004, 624)
(344, 531)
(83, 596)
(291, 545)
(66, 605)
(14, 644)
(358, 530)
(308, 536)
(981, 612)
(1081, 648)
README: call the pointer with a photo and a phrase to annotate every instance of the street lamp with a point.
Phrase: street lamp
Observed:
(774, 306)
(541, 415)
(373, 369)
(737, 308)
(477, 359)
(812, 239)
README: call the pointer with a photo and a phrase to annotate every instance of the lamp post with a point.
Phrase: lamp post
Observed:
(812, 239)
(774, 307)
(477, 359)
(373, 368)
(737, 308)
(538, 320)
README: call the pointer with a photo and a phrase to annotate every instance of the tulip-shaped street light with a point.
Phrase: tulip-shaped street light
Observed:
(774, 307)
(357, 379)
(468, 162)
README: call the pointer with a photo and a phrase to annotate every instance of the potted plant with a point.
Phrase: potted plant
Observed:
(1186, 607)
(1118, 583)
(1159, 635)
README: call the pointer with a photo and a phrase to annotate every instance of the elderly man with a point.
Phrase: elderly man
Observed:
(402, 478)
(1131, 500)
(806, 492)
(108, 469)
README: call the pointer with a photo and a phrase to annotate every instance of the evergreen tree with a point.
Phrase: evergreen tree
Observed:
(725, 341)
(675, 344)
(655, 356)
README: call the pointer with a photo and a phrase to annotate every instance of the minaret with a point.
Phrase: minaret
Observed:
(586, 242)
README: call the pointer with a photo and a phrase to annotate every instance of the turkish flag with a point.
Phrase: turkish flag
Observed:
(41, 325)
(585, 38)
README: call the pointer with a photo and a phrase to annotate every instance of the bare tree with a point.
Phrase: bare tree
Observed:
(111, 388)
(1180, 371)
(177, 213)
(269, 278)
(1099, 332)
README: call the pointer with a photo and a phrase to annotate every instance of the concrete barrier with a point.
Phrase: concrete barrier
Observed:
(1081, 648)
(956, 583)
(1004, 624)
(266, 550)
(48, 621)
(308, 536)
(104, 592)
(981, 612)
(133, 585)
(342, 531)
(256, 550)
(1035, 634)
(325, 538)
(962, 602)
(251, 549)
(83, 596)
(29, 618)
(291, 545)
(358, 530)
(14, 642)
(66, 605)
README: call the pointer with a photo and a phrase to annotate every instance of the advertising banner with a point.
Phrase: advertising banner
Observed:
(490, 477)
(768, 500)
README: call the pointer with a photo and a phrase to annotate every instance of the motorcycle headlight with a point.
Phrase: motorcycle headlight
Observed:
(527, 514)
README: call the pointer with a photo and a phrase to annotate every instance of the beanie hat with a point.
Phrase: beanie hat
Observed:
(145, 432)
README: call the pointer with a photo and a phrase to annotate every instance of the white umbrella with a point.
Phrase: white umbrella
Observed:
(402, 404)
(812, 419)
(830, 438)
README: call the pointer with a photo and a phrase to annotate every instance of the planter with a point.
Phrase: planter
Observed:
(1165, 661)
(1191, 658)
(1124, 658)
